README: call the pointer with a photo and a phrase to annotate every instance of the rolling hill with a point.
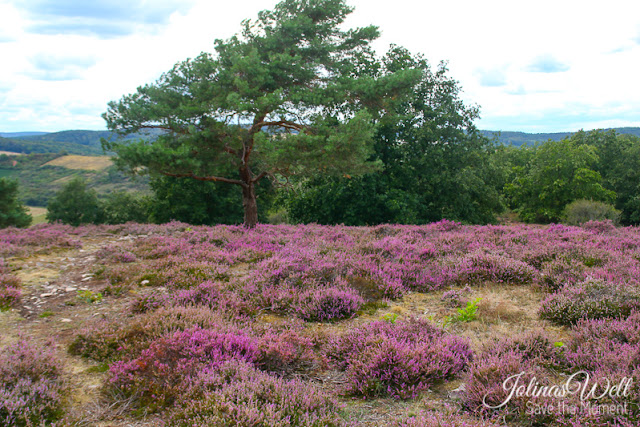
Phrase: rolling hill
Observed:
(80, 142)
(521, 138)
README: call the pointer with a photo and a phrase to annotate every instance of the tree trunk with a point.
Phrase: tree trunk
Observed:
(250, 205)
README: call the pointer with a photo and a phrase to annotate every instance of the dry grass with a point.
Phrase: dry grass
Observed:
(11, 153)
(93, 163)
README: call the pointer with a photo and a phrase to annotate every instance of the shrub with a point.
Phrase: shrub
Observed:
(529, 353)
(485, 384)
(591, 299)
(128, 337)
(31, 385)
(326, 304)
(609, 351)
(9, 297)
(9, 284)
(74, 204)
(12, 212)
(157, 375)
(122, 206)
(455, 297)
(467, 314)
(235, 394)
(450, 417)
(612, 345)
(397, 359)
(284, 352)
(581, 211)
(480, 267)
(561, 272)
(216, 296)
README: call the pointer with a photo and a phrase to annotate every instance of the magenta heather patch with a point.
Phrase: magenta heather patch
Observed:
(326, 304)
(9, 287)
(31, 385)
(236, 394)
(216, 296)
(40, 238)
(397, 359)
(591, 299)
(284, 352)
(156, 376)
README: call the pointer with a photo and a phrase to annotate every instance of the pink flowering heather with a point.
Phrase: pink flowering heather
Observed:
(591, 299)
(216, 296)
(397, 359)
(326, 304)
(561, 272)
(455, 297)
(157, 375)
(236, 394)
(39, 238)
(450, 417)
(533, 354)
(127, 337)
(31, 385)
(285, 351)
(9, 287)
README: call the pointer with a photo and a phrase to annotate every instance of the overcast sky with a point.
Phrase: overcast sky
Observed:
(539, 66)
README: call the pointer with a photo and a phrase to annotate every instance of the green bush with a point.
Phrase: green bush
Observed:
(12, 211)
(582, 211)
(74, 204)
(123, 206)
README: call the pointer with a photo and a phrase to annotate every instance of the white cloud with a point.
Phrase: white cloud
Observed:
(490, 47)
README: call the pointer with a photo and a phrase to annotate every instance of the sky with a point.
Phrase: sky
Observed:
(544, 66)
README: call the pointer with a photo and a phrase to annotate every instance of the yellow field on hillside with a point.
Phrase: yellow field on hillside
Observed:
(11, 153)
(93, 163)
(38, 214)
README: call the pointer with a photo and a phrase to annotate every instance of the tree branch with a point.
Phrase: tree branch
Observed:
(204, 178)
(285, 124)
(259, 177)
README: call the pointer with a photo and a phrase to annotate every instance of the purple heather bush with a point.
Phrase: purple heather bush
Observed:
(158, 374)
(485, 386)
(236, 394)
(561, 272)
(9, 287)
(41, 238)
(31, 385)
(126, 337)
(397, 359)
(455, 297)
(285, 351)
(599, 226)
(148, 302)
(480, 267)
(591, 299)
(216, 296)
(531, 354)
(605, 345)
(327, 304)
(449, 417)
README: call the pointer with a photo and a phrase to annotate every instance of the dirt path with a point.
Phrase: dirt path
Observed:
(57, 289)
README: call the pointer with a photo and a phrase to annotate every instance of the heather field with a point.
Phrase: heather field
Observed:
(177, 325)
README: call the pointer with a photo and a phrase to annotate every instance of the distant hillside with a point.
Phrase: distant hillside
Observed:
(40, 175)
(19, 134)
(520, 138)
(81, 142)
